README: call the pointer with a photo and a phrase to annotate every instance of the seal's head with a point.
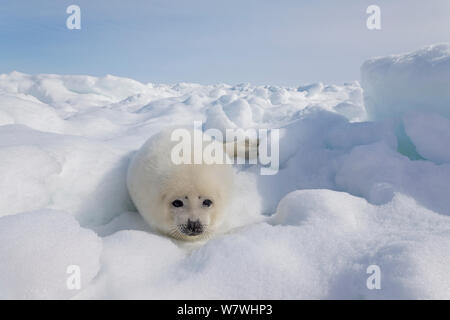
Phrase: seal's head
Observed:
(191, 215)
(194, 201)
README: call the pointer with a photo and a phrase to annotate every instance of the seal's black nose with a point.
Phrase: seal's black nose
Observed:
(193, 228)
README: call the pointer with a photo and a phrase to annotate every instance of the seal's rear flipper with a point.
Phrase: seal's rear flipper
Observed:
(242, 149)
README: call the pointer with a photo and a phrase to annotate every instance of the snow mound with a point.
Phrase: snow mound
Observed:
(37, 249)
(133, 260)
(318, 245)
(351, 234)
(61, 172)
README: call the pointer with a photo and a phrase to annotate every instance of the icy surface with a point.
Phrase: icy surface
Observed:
(430, 133)
(343, 199)
(417, 81)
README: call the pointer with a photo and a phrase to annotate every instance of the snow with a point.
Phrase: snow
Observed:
(61, 172)
(37, 249)
(318, 245)
(344, 198)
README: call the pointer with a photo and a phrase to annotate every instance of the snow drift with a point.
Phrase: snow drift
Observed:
(344, 198)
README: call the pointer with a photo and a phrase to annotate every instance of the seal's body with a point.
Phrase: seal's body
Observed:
(184, 201)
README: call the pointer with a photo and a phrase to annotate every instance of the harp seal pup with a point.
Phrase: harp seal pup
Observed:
(184, 201)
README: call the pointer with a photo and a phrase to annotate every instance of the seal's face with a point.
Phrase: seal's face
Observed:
(192, 216)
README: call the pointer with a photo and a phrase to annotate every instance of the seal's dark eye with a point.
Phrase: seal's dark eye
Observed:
(207, 203)
(177, 203)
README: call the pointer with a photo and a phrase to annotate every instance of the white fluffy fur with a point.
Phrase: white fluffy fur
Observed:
(154, 181)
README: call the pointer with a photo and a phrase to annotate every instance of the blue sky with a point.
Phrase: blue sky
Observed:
(278, 42)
